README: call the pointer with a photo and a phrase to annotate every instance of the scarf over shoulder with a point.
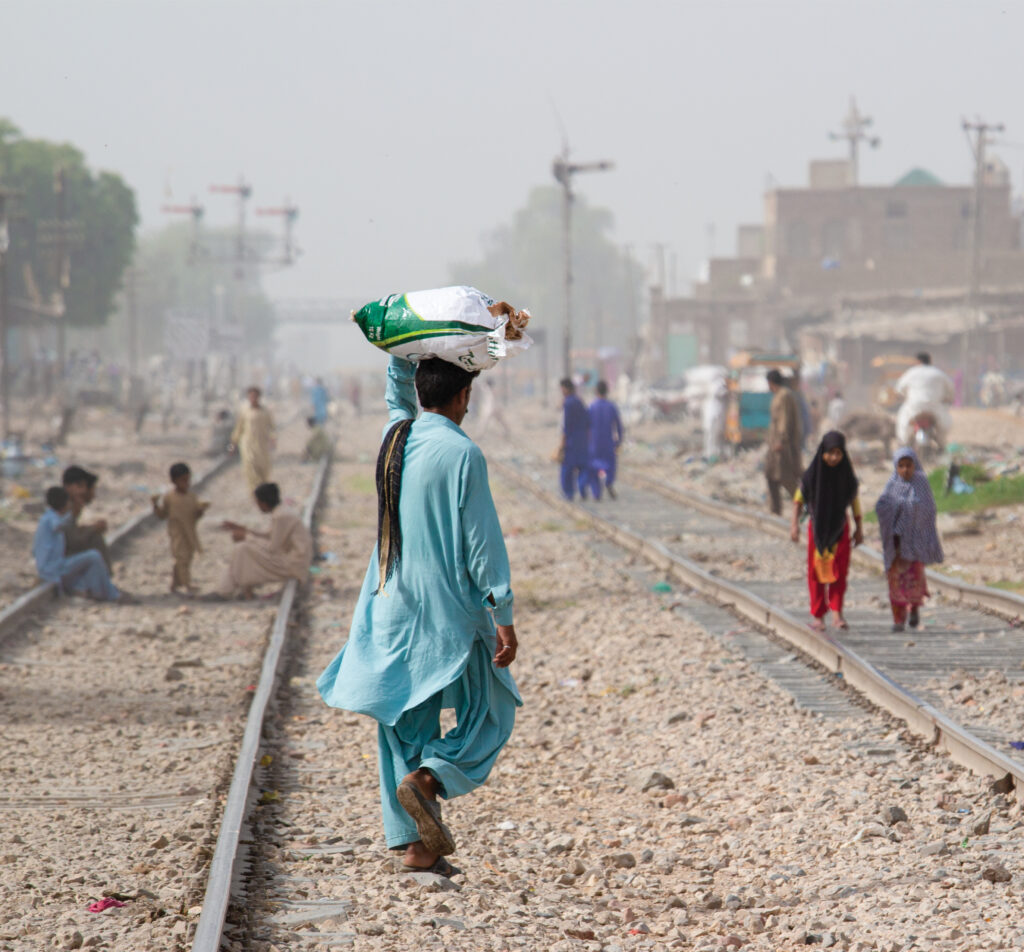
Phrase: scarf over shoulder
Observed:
(906, 509)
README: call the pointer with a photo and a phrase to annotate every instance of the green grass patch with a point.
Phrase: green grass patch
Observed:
(1008, 585)
(988, 491)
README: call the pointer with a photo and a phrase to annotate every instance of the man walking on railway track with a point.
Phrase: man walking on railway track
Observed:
(782, 465)
(433, 627)
(254, 437)
(605, 439)
(574, 450)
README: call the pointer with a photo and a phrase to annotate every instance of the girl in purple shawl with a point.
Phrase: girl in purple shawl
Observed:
(910, 541)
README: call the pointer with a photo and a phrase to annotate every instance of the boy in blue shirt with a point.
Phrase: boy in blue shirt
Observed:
(85, 572)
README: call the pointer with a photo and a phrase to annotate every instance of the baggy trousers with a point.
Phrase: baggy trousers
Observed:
(575, 475)
(87, 572)
(600, 465)
(828, 596)
(460, 760)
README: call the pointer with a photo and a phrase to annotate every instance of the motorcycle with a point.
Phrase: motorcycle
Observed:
(926, 438)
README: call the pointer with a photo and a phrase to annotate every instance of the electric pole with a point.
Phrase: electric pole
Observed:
(563, 171)
(855, 127)
(61, 233)
(5, 361)
(980, 129)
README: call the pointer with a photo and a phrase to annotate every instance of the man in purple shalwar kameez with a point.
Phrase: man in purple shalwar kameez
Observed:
(575, 449)
(605, 438)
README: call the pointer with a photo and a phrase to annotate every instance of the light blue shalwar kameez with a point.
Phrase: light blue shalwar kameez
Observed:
(84, 572)
(426, 642)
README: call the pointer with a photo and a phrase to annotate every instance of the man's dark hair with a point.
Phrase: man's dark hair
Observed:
(438, 381)
(602, 388)
(77, 476)
(178, 470)
(269, 494)
(56, 498)
(775, 376)
(254, 389)
(566, 384)
(924, 357)
(311, 421)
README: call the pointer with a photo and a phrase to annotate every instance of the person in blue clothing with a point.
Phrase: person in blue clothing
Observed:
(605, 439)
(320, 398)
(433, 627)
(574, 450)
(84, 573)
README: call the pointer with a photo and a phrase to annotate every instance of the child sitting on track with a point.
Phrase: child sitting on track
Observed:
(84, 573)
(182, 510)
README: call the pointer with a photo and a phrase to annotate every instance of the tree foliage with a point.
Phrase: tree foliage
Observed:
(524, 263)
(102, 216)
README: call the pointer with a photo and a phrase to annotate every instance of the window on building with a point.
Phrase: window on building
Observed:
(895, 209)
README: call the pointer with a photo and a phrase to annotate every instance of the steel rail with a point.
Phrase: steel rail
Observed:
(1006, 605)
(210, 928)
(922, 718)
(37, 597)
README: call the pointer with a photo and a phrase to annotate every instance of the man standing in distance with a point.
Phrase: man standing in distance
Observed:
(254, 437)
(605, 439)
(782, 464)
(433, 626)
(574, 450)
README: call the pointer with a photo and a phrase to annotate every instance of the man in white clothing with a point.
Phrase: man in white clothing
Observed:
(713, 420)
(925, 389)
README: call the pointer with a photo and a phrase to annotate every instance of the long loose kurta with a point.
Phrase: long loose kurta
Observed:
(285, 555)
(182, 512)
(416, 637)
(254, 437)
(782, 461)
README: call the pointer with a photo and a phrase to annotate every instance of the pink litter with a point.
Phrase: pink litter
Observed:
(107, 902)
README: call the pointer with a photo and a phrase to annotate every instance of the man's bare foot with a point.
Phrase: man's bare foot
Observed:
(425, 781)
(418, 856)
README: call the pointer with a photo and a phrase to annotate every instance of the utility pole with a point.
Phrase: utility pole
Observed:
(243, 191)
(131, 287)
(855, 127)
(634, 329)
(563, 171)
(5, 361)
(61, 233)
(980, 129)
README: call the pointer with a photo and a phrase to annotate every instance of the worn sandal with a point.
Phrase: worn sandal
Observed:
(426, 814)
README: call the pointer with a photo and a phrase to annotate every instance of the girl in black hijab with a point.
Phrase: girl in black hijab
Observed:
(827, 489)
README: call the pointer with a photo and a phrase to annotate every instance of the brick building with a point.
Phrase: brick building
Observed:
(830, 242)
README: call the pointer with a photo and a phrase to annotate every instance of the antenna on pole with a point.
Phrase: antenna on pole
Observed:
(855, 127)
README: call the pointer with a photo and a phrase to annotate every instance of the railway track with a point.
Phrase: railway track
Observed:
(122, 725)
(744, 560)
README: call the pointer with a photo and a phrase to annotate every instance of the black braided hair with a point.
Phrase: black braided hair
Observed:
(389, 489)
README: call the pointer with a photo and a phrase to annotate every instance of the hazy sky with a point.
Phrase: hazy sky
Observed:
(404, 131)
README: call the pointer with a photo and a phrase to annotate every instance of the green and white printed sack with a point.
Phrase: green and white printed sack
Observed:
(456, 324)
